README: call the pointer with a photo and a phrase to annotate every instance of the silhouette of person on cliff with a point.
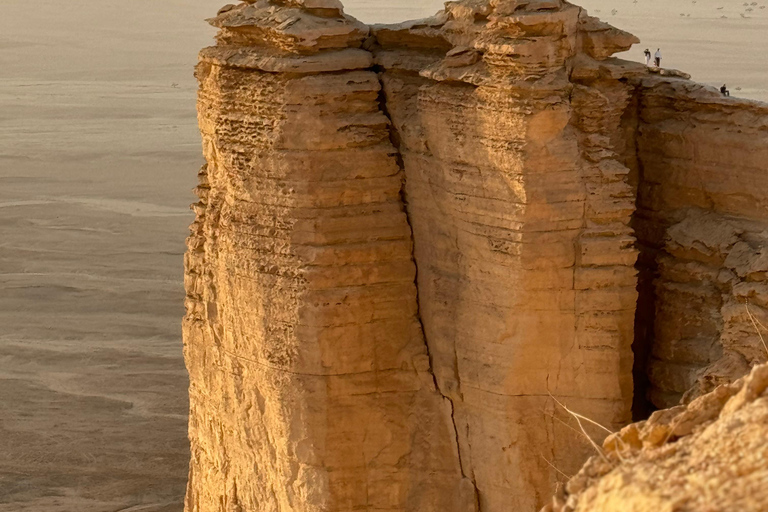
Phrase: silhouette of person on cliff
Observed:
(657, 57)
(647, 54)
(724, 91)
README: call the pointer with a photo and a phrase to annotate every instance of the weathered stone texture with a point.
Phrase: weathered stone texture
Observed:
(702, 218)
(415, 243)
(708, 455)
(310, 380)
(520, 208)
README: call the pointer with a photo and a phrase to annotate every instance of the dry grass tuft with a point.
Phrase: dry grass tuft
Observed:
(578, 417)
(757, 324)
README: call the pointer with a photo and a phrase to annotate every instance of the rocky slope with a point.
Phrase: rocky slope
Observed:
(707, 456)
(415, 247)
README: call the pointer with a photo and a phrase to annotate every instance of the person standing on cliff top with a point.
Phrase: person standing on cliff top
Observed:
(724, 91)
(647, 54)
(658, 57)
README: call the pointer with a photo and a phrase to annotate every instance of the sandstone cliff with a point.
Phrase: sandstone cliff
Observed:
(415, 243)
(520, 205)
(702, 221)
(709, 455)
(310, 380)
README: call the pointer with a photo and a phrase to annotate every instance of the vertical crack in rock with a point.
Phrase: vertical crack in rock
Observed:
(520, 211)
(468, 484)
(499, 149)
(645, 316)
(310, 383)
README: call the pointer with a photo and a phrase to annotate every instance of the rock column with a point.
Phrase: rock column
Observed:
(520, 205)
(311, 387)
(501, 128)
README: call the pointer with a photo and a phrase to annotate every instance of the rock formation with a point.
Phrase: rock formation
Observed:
(520, 205)
(708, 455)
(703, 223)
(310, 382)
(415, 243)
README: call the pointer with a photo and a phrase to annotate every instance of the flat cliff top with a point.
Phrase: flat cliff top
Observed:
(688, 93)
(307, 26)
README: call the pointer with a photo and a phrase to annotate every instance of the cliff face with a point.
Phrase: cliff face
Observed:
(703, 223)
(310, 382)
(414, 243)
(520, 207)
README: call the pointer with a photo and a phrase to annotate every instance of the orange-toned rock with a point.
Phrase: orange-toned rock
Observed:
(310, 383)
(415, 251)
(520, 204)
(710, 455)
(703, 219)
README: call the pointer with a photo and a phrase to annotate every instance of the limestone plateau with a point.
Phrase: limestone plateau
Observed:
(419, 246)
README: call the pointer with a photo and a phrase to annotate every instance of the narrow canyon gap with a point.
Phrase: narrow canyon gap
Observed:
(416, 243)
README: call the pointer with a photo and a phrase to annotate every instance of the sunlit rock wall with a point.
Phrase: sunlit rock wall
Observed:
(310, 386)
(510, 134)
(415, 247)
(703, 224)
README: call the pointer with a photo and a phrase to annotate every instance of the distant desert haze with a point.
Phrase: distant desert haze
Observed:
(99, 154)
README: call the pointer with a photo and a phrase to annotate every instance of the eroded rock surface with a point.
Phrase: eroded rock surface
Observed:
(703, 222)
(310, 379)
(510, 133)
(415, 246)
(708, 455)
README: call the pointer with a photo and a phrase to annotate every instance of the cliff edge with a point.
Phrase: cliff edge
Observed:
(416, 243)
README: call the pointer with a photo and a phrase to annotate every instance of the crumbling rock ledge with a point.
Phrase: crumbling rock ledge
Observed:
(708, 455)
(414, 241)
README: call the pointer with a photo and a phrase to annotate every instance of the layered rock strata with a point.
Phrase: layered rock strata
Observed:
(510, 132)
(708, 455)
(414, 252)
(702, 221)
(310, 385)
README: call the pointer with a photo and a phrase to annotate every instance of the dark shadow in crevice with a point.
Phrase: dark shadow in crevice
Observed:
(647, 267)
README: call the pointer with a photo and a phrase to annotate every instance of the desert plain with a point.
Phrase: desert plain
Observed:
(99, 152)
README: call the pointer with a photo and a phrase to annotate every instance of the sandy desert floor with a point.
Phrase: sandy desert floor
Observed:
(98, 155)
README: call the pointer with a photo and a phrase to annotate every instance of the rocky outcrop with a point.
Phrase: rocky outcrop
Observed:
(703, 225)
(414, 253)
(708, 455)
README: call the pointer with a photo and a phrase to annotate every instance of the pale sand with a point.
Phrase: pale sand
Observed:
(714, 45)
(696, 38)
(98, 153)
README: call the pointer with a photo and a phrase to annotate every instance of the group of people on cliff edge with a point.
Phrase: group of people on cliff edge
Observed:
(656, 58)
(657, 63)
